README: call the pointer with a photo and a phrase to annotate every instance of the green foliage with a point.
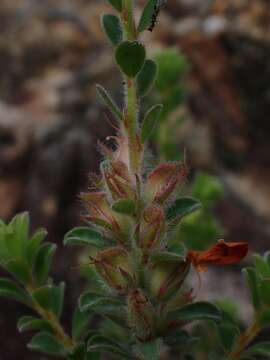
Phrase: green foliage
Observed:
(146, 77)
(150, 122)
(112, 28)
(130, 57)
(11, 290)
(30, 323)
(196, 311)
(84, 236)
(46, 343)
(117, 4)
(181, 207)
(139, 298)
(147, 14)
(109, 102)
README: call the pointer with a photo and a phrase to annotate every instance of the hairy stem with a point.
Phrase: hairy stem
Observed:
(128, 20)
(131, 101)
(131, 110)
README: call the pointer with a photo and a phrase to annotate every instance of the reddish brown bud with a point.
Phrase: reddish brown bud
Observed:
(152, 227)
(141, 315)
(99, 210)
(162, 181)
(117, 180)
(166, 277)
(113, 266)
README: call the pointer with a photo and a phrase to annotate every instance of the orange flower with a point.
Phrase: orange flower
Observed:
(220, 254)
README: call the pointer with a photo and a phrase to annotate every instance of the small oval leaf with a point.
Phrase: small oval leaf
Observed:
(46, 343)
(9, 289)
(90, 301)
(124, 206)
(34, 244)
(150, 121)
(117, 4)
(166, 256)
(183, 206)
(80, 320)
(197, 311)
(112, 28)
(109, 102)
(261, 349)
(251, 278)
(146, 77)
(84, 236)
(27, 323)
(130, 57)
(104, 344)
(51, 298)
(147, 14)
(43, 262)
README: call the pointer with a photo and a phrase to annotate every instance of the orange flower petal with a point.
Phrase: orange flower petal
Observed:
(222, 253)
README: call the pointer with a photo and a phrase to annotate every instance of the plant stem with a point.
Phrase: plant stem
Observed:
(49, 316)
(244, 340)
(131, 110)
(131, 101)
(128, 21)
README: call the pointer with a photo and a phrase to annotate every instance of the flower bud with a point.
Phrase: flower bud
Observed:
(117, 180)
(99, 210)
(162, 181)
(166, 277)
(152, 227)
(141, 315)
(113, 266)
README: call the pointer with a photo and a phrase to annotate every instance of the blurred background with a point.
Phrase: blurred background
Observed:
(215, 82)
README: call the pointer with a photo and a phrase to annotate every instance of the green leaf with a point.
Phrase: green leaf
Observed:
(251, 278)
(9, 289)
(20, 269)
(261, 349)
(79, 353)
(112, 28)
(46, 343)
(104, 95)
(146, 77)
(125, 206)
(228, 332)
(84, 236)
(89, 301)
(147, 14)
(261, 266)
(180, 338)
(51, 298)
(150, 121)
(34, 244)
(166, 256)
(149, 350)
(264, 291)
(117, 4)
(43, 262)
(26, 323)
(264, 317)
(80, 321)
(201, 310)
(104, 344)
(130, 57)
(183, 206)
(17, 234)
